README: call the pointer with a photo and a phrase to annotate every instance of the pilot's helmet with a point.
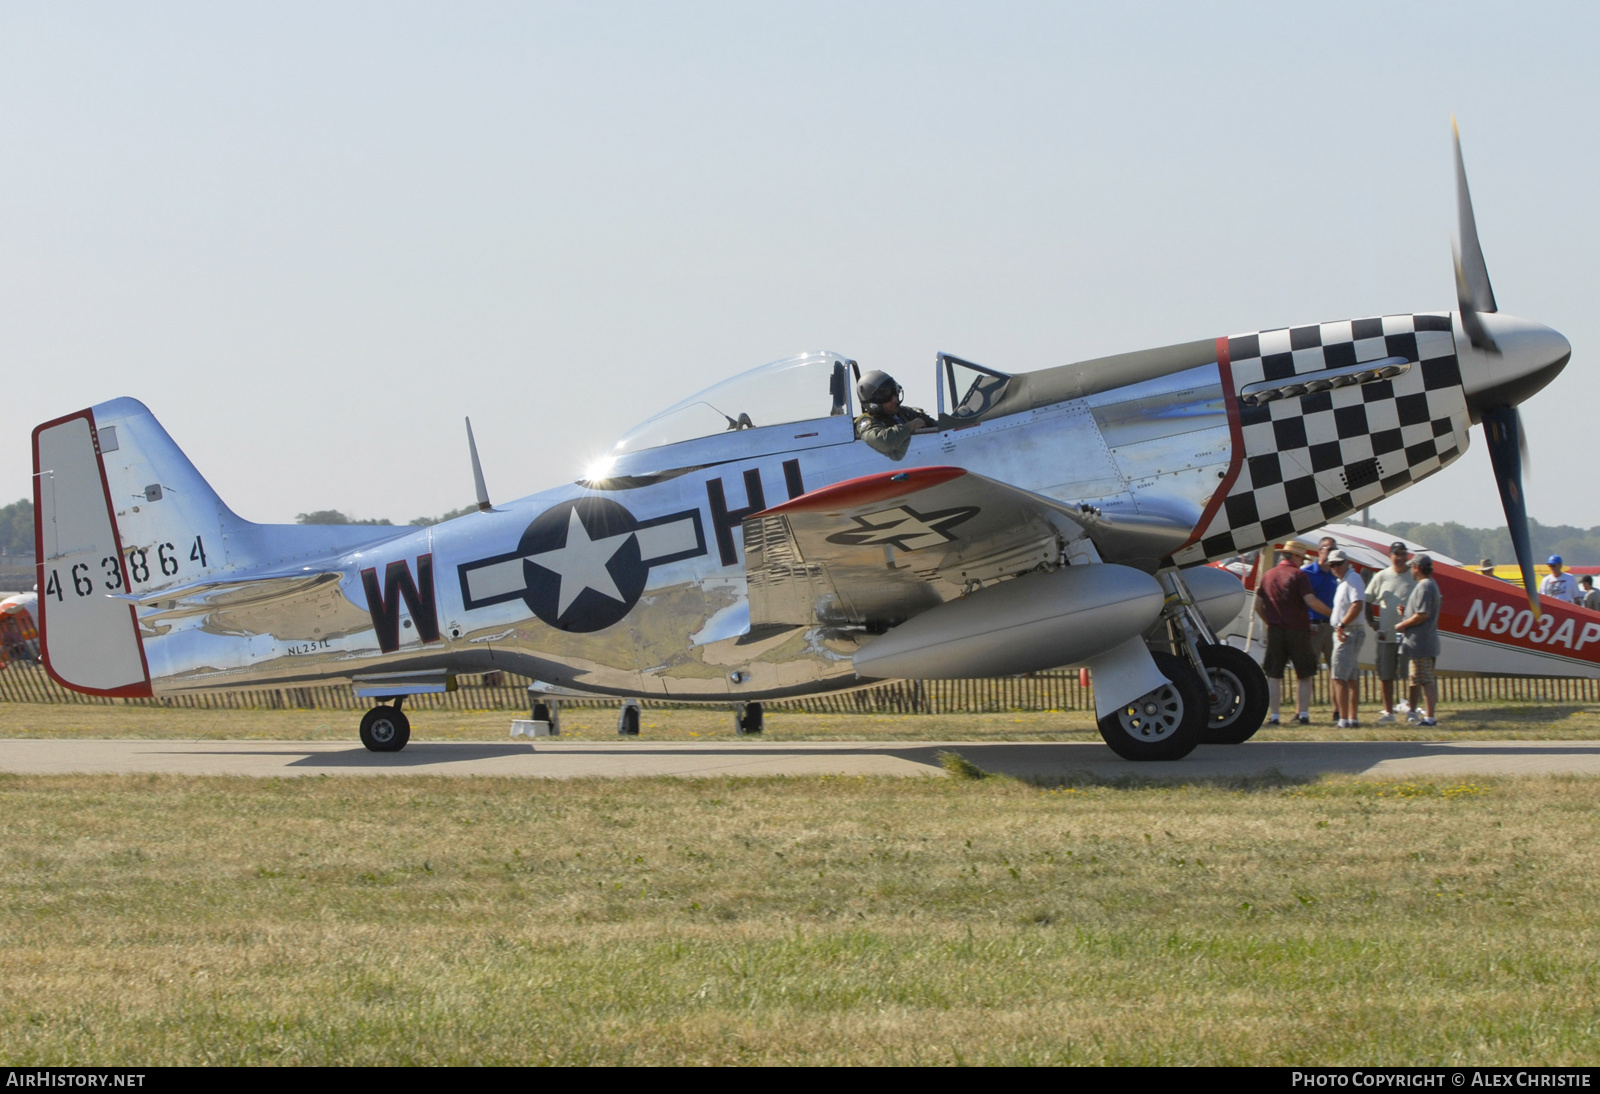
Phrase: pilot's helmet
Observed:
(877, 387)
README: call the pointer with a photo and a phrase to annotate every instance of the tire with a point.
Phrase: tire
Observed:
(385, 729)
(1238, 692)
(1165, 724)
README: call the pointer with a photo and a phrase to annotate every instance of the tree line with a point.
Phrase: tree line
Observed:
(1576, 546)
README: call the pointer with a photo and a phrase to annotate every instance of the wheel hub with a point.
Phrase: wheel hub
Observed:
(383, 731)
(1153, 717)
(1227, 696)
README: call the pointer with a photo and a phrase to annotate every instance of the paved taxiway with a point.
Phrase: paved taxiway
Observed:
(558, 759)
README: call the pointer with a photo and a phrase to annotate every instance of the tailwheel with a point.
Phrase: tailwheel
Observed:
(747, 719)
(1164, 724)
(385, 729)
(1238, 692)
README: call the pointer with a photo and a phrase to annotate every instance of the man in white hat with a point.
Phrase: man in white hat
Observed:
(1344, 668)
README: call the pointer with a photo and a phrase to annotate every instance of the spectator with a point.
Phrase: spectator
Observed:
(1421, 630)
(1588, 596)
(1387, 594)
(1344, 671)
(1557, 584)
(1282, 601)
(1324, 584)
(1486, 567)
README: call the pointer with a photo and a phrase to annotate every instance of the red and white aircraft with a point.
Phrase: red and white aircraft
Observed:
(1485, 624)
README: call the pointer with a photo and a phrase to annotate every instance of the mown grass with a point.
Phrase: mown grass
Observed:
(820, 920)
(1480, 721)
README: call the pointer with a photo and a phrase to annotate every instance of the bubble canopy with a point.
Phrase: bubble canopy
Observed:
(795, 389)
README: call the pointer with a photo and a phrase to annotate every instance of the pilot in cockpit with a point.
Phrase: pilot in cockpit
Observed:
(887, 426)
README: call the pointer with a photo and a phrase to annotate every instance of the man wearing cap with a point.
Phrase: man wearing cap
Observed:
(1486, 567)
(1420, 631)
(1282, 602)
(1387, 594)
(1557, 584)
(1344, 669)
(1588, 595)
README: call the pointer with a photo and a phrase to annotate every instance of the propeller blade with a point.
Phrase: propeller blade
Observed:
(1474, 294)
(1502, 428)
(1471, 260)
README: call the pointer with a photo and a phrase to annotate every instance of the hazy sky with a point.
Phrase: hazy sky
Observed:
(313, 237)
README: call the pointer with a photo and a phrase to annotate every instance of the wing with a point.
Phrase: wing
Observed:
(878, 550)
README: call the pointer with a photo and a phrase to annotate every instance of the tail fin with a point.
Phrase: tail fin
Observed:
(121, 514)
(172, 526)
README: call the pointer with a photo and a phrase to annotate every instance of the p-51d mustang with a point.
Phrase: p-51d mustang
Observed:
(744, 546)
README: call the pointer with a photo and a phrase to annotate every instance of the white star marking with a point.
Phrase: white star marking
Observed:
(581, 564)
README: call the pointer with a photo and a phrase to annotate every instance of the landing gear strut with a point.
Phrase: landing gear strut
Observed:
(747, 719)
(1235, 685)
(386, 728)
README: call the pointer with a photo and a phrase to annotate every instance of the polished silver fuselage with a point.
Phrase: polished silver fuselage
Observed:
(1173, 457)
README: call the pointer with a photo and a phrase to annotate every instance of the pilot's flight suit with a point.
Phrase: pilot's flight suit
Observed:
(891, 433)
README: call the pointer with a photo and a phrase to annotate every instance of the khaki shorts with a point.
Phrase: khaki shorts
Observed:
(1346, 664)
(1392, 661)
(1422, 670)
(1285, 645)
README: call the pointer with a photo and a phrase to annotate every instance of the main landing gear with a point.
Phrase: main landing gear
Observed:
(1215, 694)
(386, 728)
(1164, 724)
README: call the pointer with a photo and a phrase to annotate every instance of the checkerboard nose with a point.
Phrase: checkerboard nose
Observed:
(1531, 355)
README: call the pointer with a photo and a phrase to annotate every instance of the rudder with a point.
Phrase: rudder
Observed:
(89, 637)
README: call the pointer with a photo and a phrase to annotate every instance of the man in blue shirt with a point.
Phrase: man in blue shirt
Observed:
(1325, 585)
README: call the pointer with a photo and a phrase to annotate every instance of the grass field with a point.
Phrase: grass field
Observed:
(827, 920)
(1480, 721)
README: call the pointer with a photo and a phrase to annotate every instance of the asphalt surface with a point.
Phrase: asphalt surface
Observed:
(555, 759)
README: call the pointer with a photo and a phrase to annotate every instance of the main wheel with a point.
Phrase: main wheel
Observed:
(1164, 724)
(385, 729)
(1238, 695)
(747, 719)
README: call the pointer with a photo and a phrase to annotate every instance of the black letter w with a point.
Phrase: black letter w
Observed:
(385, 606)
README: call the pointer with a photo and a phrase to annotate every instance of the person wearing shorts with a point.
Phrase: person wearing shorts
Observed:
(1324, 584)
(1387, 594)
(1421, 630)
(1282, 602)
(1348, 635)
